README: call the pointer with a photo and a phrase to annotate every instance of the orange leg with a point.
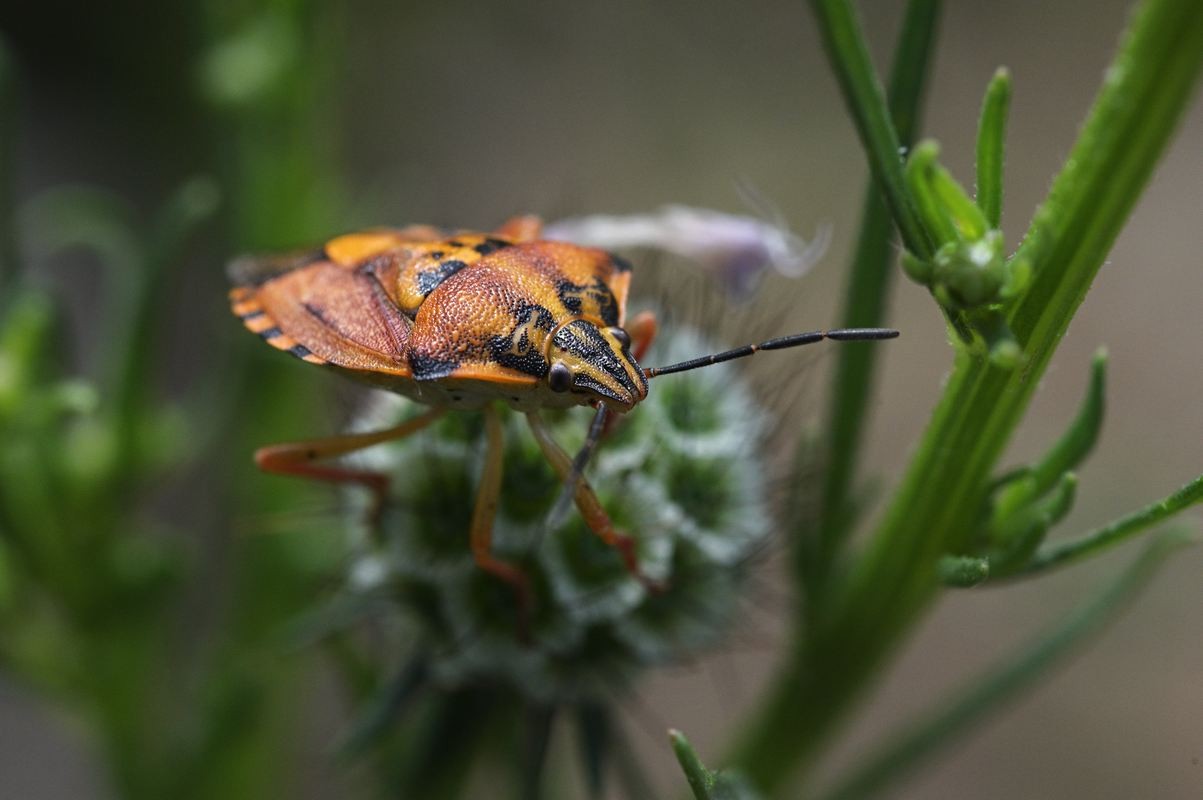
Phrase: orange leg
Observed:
(642, 330)
(295, 458)
(590, 507)
(487, 495)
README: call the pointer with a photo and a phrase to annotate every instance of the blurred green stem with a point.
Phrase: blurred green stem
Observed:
(864, 306)
(938, 503)
(9, 258)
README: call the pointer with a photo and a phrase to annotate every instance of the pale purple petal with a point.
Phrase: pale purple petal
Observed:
(737, 249)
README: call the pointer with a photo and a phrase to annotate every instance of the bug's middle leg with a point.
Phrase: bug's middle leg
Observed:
(296, 458)
(587, 503)
(488, 493)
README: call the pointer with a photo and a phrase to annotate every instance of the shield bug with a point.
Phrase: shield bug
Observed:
(467, 321)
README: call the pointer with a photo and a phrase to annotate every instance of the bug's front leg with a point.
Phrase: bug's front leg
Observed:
(295, 458)
(587, 503)
(488, 494)
(521, 229)
(642, 330)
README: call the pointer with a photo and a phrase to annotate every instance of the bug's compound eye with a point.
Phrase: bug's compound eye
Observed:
(559, 377)
(622, 336)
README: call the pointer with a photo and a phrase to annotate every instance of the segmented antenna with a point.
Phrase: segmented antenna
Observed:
(780, 343)
(560, 509)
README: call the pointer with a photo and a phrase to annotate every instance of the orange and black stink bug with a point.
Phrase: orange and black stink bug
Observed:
(466, 321)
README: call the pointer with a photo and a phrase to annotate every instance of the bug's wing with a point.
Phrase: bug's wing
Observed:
(325, 313)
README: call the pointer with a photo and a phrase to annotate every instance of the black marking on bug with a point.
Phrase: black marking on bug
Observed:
(437, 254)
(621, 263)
(300, 350)
(583, 340)
(431, 368)
(250, 315)
(454, 243)
(429, 280)
(516, 350)
(270, 333)
(317, 312)
(573, 295)
(490, 245)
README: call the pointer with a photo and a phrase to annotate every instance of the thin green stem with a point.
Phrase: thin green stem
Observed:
(849, 55)
(1062, 553)
(864, 304)
(918, 740)
(938, 503)
(991, 143)
(9, 259)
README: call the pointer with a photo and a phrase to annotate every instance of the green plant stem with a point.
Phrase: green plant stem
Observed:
(1062, 553)
(866, 101)
(864, 305)
(991, 135)
(940, 498)
(986, 695)
(9, 258)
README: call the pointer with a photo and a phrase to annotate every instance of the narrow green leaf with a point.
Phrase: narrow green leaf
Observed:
(968, 219)
(1025, 531)
(991, 141)
(864, 307)
(1066, 454)
(701, 780)
(1061, 553)
(849, 57)
(704, 784)
(916, 741)
(920, 172)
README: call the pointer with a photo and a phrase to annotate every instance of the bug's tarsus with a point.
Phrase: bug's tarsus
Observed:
(780, 343)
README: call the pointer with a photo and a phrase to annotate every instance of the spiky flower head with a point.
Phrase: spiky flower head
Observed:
(680, 474)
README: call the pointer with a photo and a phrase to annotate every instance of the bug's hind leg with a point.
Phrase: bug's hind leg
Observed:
(590, 507)
(488, 494)
(296, 458)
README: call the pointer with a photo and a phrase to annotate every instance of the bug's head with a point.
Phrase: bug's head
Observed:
(596, 361)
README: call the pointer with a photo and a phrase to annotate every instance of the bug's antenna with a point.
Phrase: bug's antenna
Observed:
(780, 343)
(564, 501)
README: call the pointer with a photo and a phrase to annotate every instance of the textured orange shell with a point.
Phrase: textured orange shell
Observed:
(449, 320)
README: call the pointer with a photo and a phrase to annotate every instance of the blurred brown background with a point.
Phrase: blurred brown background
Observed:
(462, 113)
